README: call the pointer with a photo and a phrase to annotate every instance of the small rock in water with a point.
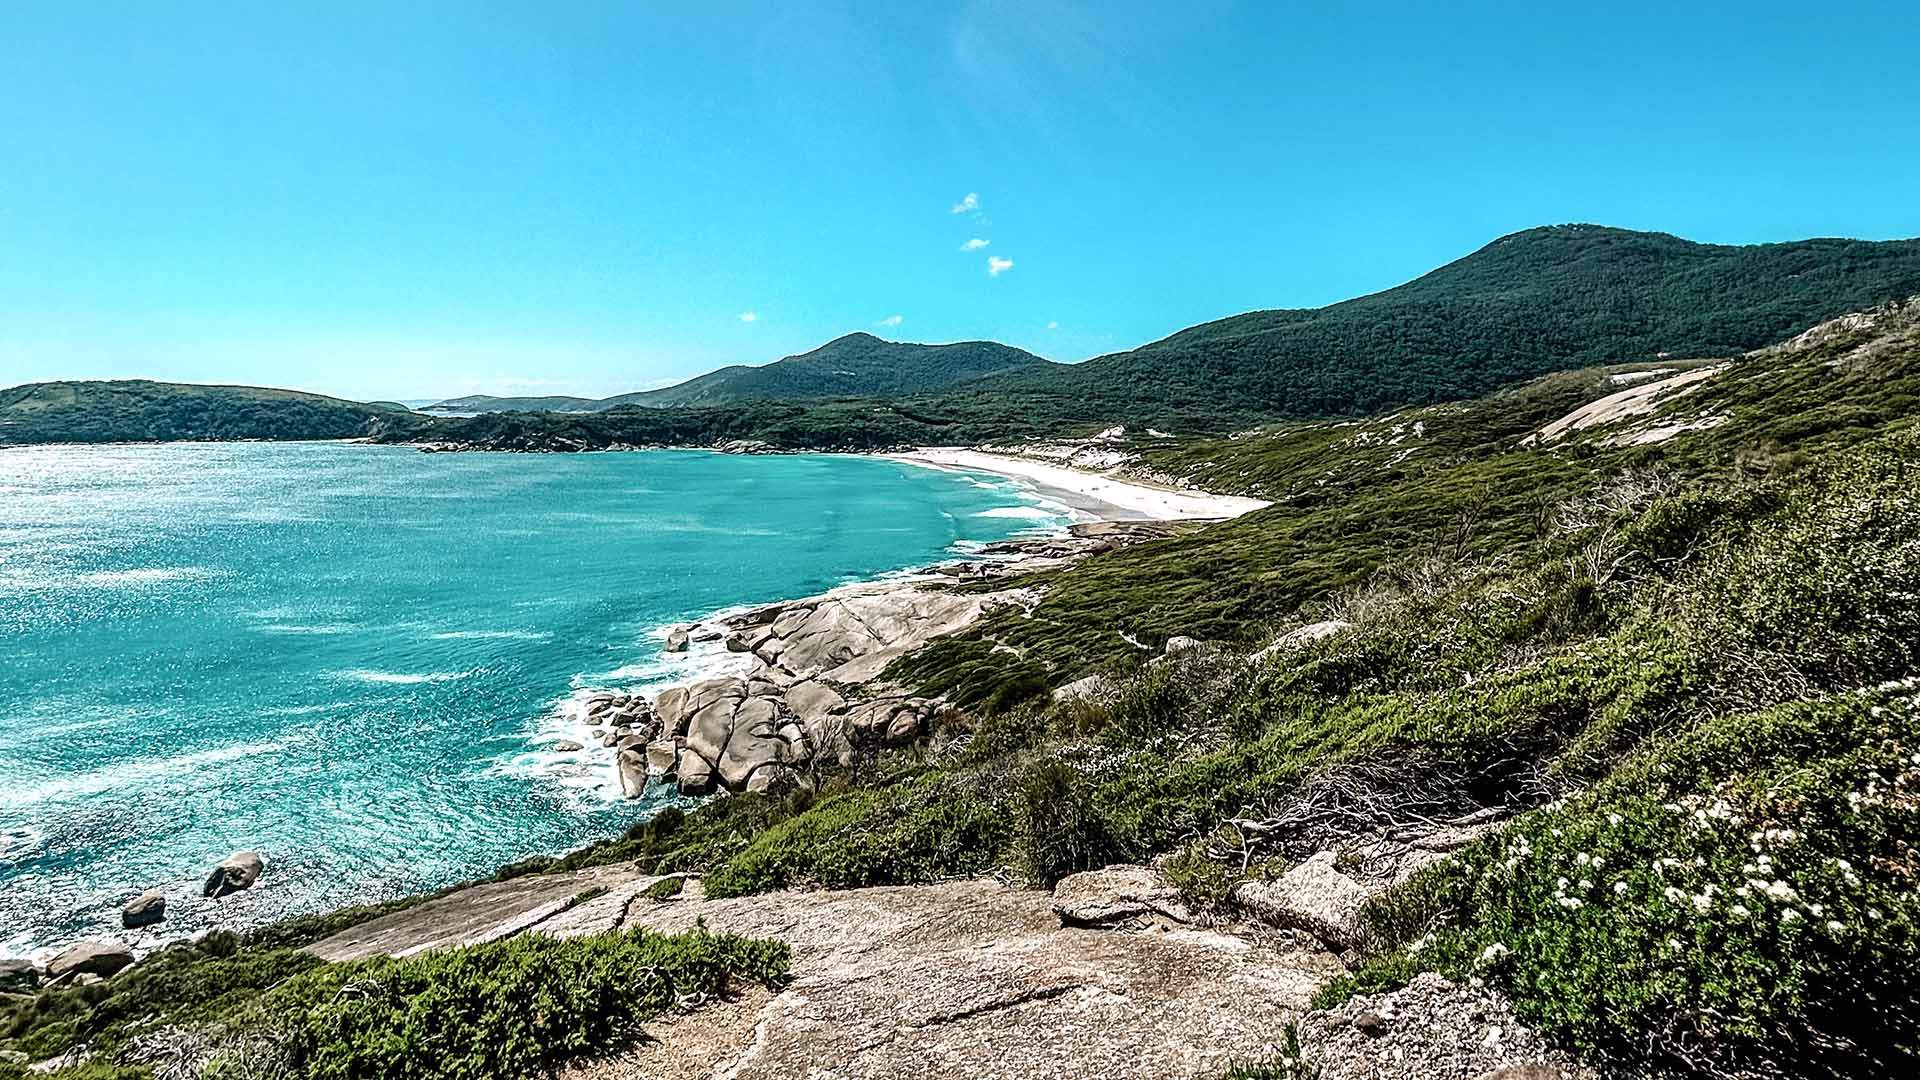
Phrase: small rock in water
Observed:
(240, 870)
(144, 910)
(677, 640)
(567, 746)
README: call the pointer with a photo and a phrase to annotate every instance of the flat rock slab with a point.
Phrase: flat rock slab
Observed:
(974, 979)
(477, 914)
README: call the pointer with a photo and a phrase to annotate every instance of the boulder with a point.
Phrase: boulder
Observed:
(906, 724)
(811, 701)
(1179, 644)
(678, 639)
(1117, 895)
(709, 730)
(1302, 637)
(748, 640)
(662, 754)
(146, 909)
(567, 746)
(1091, 688)
(1313, 896)
(671, 708)
(239, 871)
(632, 765)
(695, 772)
(755, 742)
(767, 777)
(18, 976)
(101, 958)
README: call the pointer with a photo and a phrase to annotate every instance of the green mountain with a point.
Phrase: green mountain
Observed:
(853, 366)
(137, 410)
(1543, 300)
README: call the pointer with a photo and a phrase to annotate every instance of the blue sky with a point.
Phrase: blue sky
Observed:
(416, 200)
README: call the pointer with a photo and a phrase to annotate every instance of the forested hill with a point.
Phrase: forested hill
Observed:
(1538, 301)
(851, 366)
(856, 365)
(136, 410)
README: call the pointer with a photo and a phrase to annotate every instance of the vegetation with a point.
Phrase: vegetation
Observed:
(1626, 627)
(855, 365)
(512, 1008)
(1543, 300)
(251, 1006)
(142, 411)
(1674, 648)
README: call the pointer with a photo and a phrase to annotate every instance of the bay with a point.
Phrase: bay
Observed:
(352, 658)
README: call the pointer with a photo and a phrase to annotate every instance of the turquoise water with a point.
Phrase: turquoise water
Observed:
(351, 657)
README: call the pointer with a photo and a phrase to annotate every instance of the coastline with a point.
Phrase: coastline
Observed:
(1101, 497)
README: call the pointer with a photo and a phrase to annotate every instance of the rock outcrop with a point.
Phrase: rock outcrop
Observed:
(238, 871)
(964, 979)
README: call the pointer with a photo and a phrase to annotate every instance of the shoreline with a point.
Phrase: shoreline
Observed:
(1091, 501)
(1102, 497)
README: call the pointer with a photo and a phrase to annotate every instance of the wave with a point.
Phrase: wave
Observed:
(403, 678)
(493, 635)
(297, 628)
(140, 578)
(133, 774)
(1029, 513)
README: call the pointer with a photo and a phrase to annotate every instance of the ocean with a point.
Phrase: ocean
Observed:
(354, 659)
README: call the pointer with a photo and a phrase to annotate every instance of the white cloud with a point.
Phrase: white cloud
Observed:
(967, 205)
(974, 244)
(891, 320)
(997, 265)
(749, 316)
(1053, 326)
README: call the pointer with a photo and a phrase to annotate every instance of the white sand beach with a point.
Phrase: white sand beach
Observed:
(1094, 494)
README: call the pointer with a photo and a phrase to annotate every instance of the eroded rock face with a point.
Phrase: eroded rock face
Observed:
(238, 871)
(102, 958)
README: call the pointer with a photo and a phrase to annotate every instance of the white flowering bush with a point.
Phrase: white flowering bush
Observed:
(1743, 897)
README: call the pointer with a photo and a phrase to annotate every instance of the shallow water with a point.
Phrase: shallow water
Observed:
(349, 657)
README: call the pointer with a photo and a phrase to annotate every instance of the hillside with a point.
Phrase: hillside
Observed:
(137, 410)
(1584, 709)
(852, 366)
(856, 365)
(482, 403)
(1547, 299)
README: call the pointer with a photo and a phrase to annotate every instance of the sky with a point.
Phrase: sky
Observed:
(417, 200)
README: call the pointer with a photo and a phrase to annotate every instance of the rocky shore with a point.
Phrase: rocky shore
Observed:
(812, 690)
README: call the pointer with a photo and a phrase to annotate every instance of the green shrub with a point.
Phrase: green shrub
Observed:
(931, 827)
(508, 1009)
(1061, 831)
(1740, 895)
